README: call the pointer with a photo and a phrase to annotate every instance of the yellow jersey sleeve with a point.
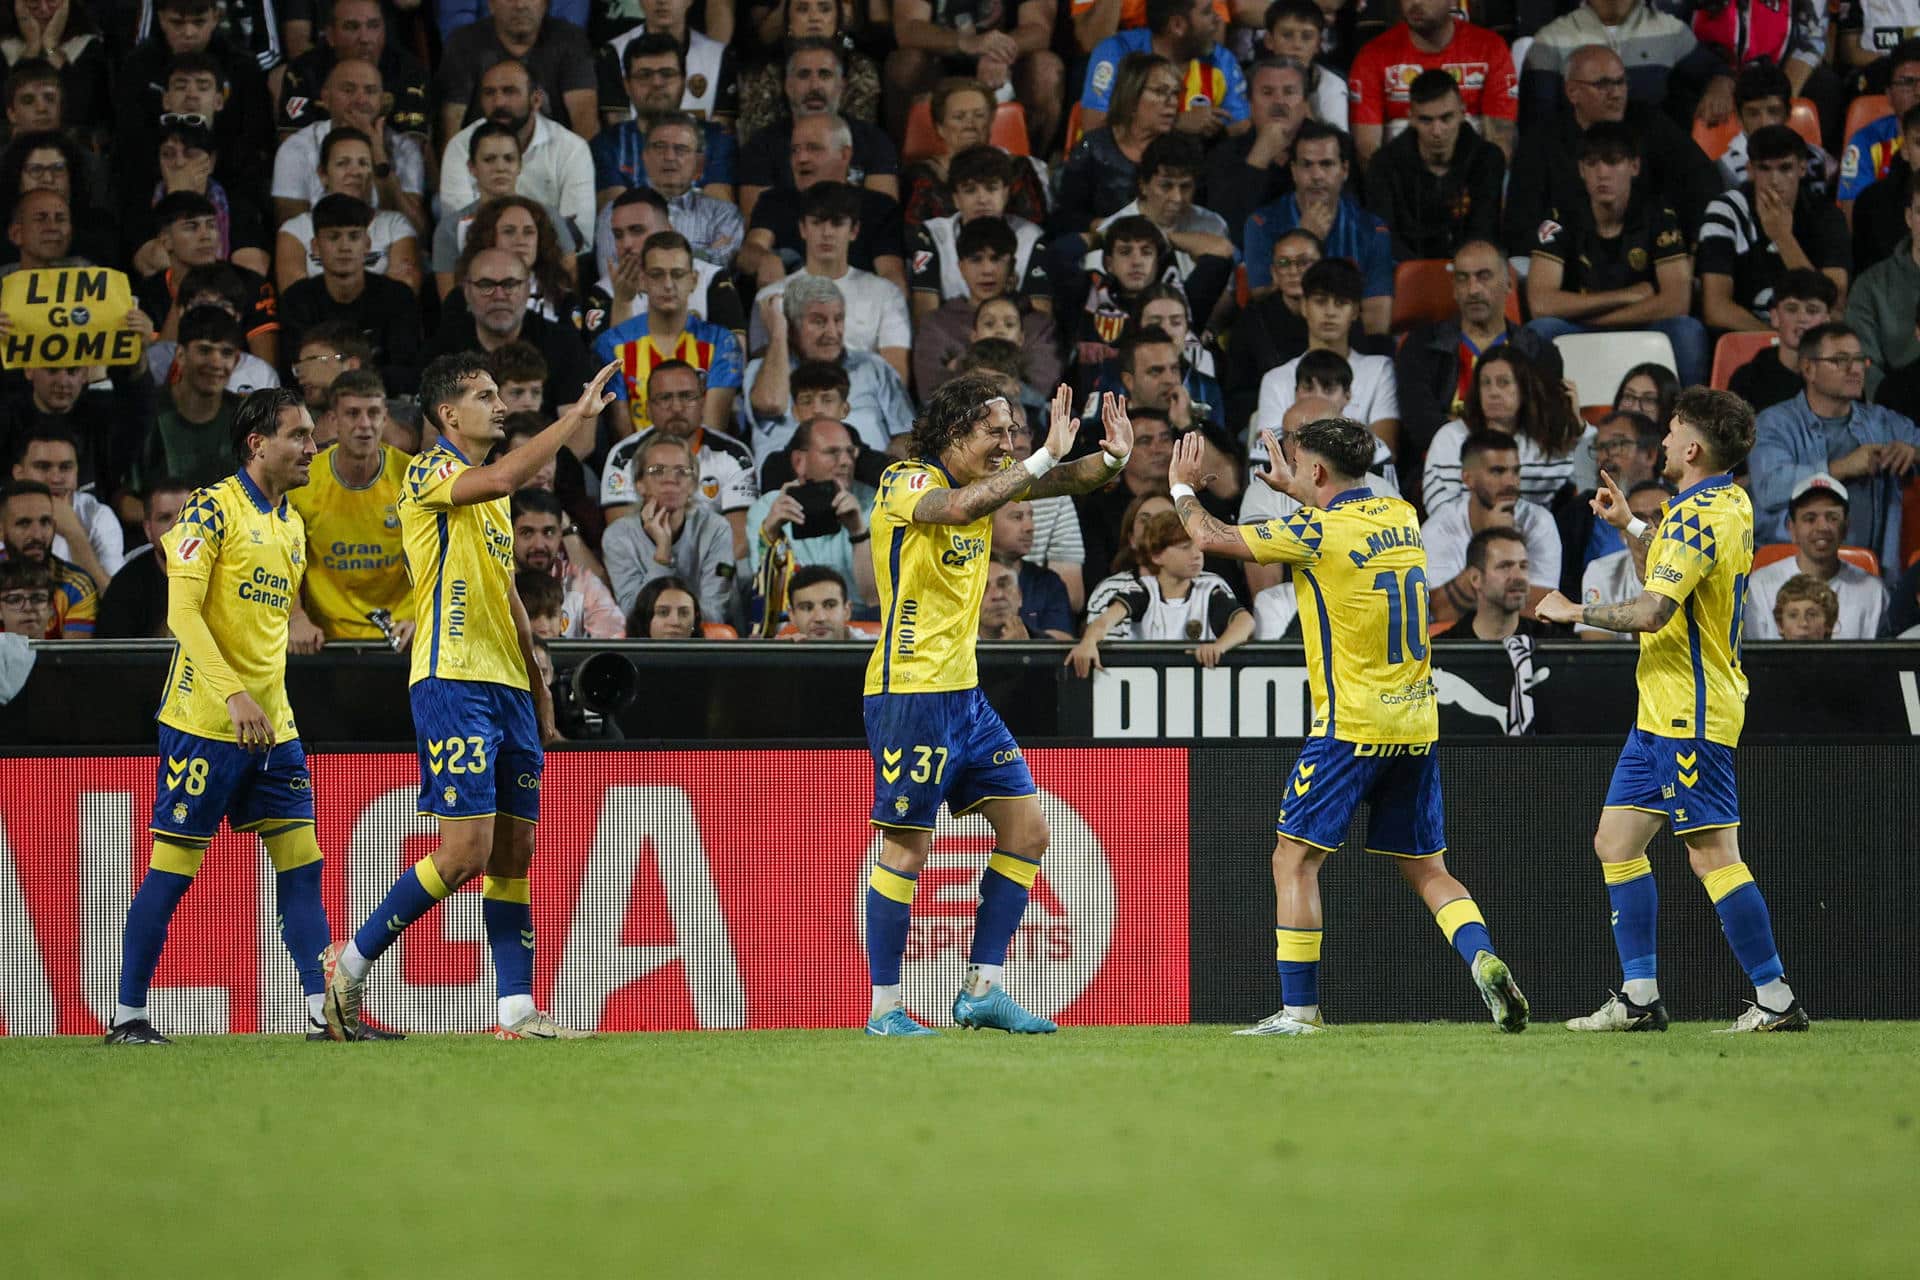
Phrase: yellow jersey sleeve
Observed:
(355, 548)
(1292, 539)
(430, 478)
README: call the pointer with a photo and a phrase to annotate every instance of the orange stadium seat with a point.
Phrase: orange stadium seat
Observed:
(1423, 294)
(1864, 112)
(1009, 132)
(1734, 350)
(1910, 521)
(1858, 557)
(1073, 130)
(1804, 119)
(1715, 140)
(718, 631)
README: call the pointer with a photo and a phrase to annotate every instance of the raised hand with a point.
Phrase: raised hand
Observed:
(1278, 476)
(1554, 607)
(1610, 504)
(1062, 426)
(1189, 462)
(596, 396)
(1118, 442)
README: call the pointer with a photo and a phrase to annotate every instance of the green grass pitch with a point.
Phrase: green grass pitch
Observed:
(1426, 1151)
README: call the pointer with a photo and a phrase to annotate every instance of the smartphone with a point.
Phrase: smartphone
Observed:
(816, 505)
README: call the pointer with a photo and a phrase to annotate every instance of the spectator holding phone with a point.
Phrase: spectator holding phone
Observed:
(822, 513)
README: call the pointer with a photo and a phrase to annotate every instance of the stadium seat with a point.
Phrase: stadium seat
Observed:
(718, 631)
(855, 631)
(1422, 292)
(1715, 140)
(1009, 132)
(1863, 112)
(1073, 130)
(1596, 362)
(1734, 350)
(1242, 291)
(1858, 557)
(1804, 119)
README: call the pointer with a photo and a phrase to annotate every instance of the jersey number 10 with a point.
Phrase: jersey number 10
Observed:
(1406, 613)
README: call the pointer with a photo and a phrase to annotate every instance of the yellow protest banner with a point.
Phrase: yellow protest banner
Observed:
(62, 316)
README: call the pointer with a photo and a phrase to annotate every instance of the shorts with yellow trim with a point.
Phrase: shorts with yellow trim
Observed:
(1398, 781)
(202, 780)
(479, 748)
(1687, 780)
(934, 747)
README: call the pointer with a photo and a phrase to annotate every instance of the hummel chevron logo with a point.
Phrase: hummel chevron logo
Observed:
(434, 747)
(176, 769)
(891, 758)
(1301, 786)
(1306, 770)
(395, 924)
(526, 939)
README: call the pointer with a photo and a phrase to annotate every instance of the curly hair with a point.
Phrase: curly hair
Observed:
(549, 264)
(1346, 445)
(951, 413)
(1723, 418)
(1545, 416)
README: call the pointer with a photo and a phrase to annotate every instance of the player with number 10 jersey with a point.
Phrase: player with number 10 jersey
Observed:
(1360, 573)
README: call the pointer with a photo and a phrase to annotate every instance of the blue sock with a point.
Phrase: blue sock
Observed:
(1636, 915)
(1460, 920)
(509, 919)
(1004, 887)
(412, 896)
(146, 929)
(303, 923)
(1744, 918)
(1297, 952)
(889, 912)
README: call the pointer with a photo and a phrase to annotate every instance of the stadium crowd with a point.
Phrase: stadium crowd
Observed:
(790, 221)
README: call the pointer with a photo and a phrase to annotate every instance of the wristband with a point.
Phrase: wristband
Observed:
(1636, 528)
(1180, 491)
(1114, 463)
(1039, 462)
(860, 537)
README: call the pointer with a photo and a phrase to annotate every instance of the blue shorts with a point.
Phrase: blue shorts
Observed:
(1400, 782)
(930, 747)
(202, 780)
(1687, 780)
(480, 749)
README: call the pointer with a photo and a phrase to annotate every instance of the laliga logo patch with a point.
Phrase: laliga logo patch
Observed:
(920, 260)
(1103, 77)
(189, 548)
(918, 481)
(1062, 940)
(1549, 229)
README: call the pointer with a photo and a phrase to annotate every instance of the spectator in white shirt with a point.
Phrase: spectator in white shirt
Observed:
(1331, 292)
(1296, 30)
(1817, 525)
(1508, 396)
(354, 99)
(556, 168)
(346, 166)
(877, 319)
(1490, 473)
(85, 530)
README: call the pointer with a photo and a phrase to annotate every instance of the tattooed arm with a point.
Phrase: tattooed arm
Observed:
(969, 502)
(1213, 536)
(1648, 611)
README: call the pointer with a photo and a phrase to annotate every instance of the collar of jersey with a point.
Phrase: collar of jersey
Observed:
(935, 464)
(1359, 494)
(453, 449)
(1711, 482)
(259, 498)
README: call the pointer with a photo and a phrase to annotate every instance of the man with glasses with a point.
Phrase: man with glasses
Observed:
(1657, 46)
(671, 533)
(496, 290)
(1627, 447)
(668, 331)
(1870, 150)
(1545, 173)
(654, 79)
(1828, 428)
(26, 599)
(675, 396)
(705, 83)
(822, 453)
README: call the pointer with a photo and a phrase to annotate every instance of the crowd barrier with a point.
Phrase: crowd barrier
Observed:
(721, 888)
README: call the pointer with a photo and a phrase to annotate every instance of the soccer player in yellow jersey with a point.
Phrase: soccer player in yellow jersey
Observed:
(228, 746)
(933, 735)
(480, 720)
(1361, 571)
(1677, 766)
(352, 508)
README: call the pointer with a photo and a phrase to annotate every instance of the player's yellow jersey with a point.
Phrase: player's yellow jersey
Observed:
(1361, 582)
(931, 579)
(354, 556)
(1691, 684)
(461, 562)
(247, 557)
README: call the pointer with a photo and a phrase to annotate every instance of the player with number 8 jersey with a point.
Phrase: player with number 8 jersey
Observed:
(1361, 579)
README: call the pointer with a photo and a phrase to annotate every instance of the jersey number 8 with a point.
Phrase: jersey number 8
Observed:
(1406, 613)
